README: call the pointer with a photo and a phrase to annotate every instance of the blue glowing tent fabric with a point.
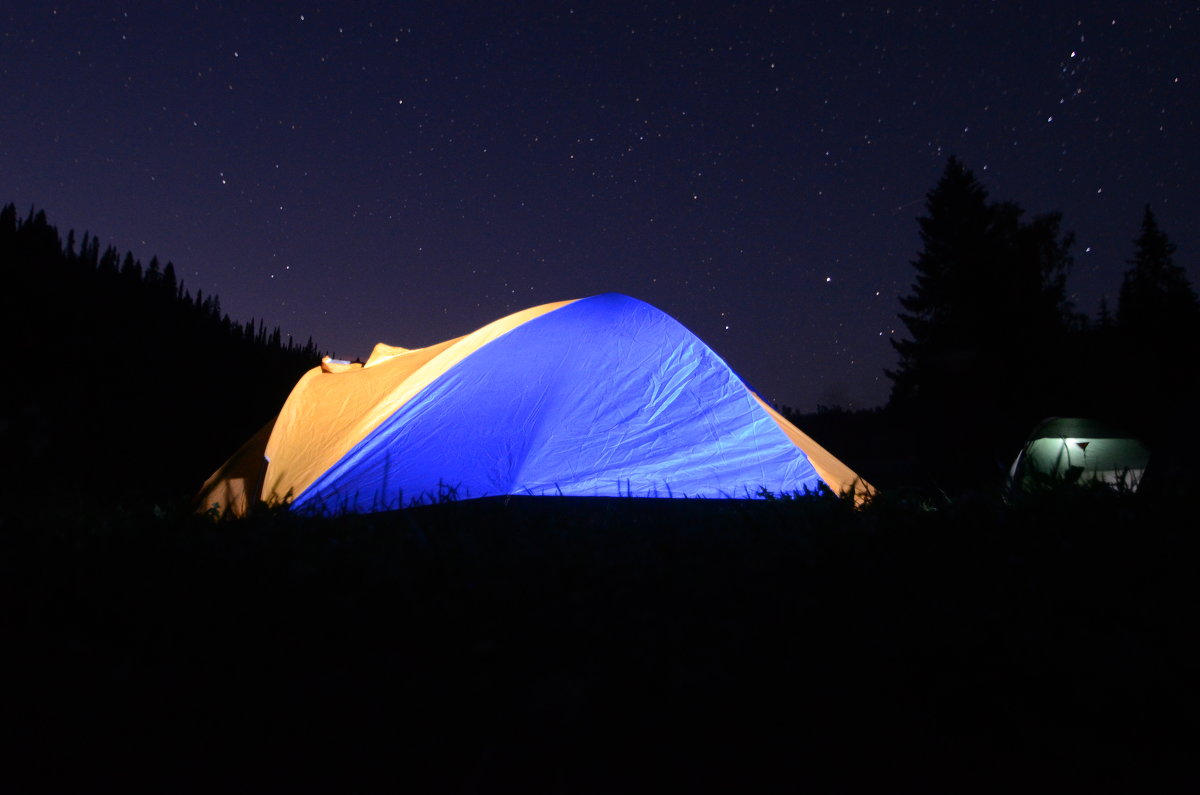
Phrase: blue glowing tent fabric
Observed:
(603, 396)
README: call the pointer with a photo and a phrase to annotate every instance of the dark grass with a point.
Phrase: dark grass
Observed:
(564, 645)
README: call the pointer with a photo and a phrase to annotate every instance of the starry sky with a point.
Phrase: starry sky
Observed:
(407, 172)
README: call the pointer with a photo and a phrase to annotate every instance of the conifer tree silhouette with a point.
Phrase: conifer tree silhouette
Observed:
(1157, 347)
(986, 318)
(139, 400)
(1156, 298)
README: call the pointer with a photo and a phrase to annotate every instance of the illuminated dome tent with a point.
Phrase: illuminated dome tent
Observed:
(600, 396)
(1080, 450)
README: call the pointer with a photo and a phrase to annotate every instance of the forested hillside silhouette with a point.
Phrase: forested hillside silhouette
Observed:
(123, 385)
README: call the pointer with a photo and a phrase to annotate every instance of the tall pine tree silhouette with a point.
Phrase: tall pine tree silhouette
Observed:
(1156, 298)
(1158, 334)
(986, 319)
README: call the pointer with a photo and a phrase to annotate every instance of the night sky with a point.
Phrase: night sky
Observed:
(364, 172)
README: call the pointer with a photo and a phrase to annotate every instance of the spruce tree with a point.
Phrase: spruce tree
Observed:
(986, 318)
(170, 286)
(1158, 332)
(953, 234)
(989, 294)
(1156, 298)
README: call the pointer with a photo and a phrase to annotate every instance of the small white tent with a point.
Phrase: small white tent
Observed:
(1080, 450)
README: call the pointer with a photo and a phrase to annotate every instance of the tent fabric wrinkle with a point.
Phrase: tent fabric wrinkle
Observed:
(601, 396)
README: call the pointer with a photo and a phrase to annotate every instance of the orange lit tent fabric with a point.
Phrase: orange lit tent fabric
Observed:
(603, 396)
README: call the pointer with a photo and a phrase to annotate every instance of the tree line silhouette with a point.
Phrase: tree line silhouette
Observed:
(994, 345)
(122, 384)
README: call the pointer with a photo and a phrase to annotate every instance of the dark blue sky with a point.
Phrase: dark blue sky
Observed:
(397, 172)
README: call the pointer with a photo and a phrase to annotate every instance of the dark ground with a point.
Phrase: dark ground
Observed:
(573, 646)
